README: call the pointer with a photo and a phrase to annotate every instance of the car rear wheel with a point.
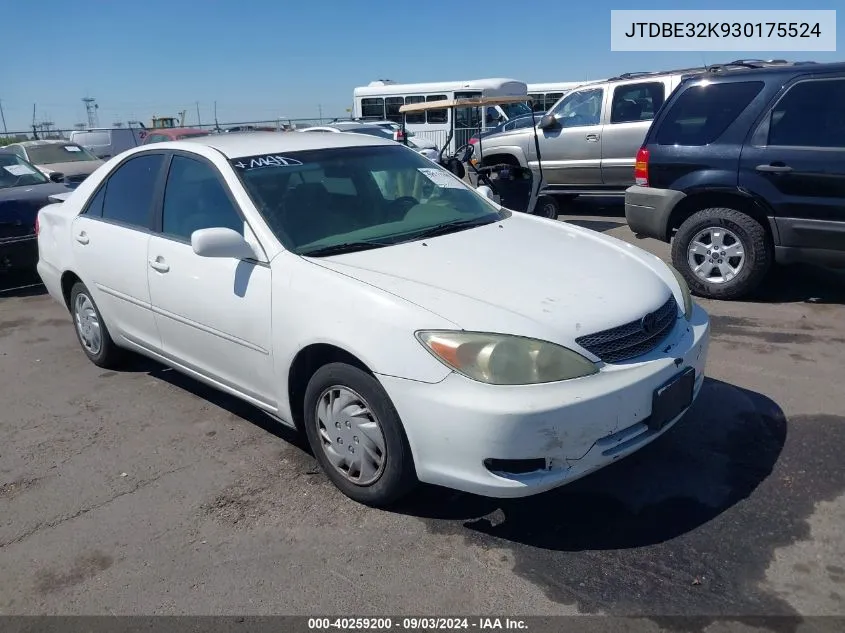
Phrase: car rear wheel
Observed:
(357, 436)
(722, 253)
(91, 330)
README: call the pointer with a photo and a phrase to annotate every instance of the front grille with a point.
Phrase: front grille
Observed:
(632, 339)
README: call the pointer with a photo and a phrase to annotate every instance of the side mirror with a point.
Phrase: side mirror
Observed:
(57, 176)
(221, 242)
(487, 192)
(548, 121)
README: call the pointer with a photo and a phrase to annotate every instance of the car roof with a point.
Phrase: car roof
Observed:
(744, 68)
(51, 141)
(239, 144)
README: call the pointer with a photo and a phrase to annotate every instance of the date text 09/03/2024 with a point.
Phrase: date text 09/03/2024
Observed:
(413, 624)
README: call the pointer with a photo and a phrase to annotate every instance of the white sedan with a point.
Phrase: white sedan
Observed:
(350, 288)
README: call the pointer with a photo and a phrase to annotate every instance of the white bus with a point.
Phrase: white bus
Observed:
(381, 100)
(545, 95)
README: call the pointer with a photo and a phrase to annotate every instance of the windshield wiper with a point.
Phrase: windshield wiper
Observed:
(345, 247)
(450, 227)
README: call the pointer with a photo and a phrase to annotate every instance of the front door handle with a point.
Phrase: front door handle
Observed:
(159, 265)
(82, 238)
(774, 168)
(592, 138)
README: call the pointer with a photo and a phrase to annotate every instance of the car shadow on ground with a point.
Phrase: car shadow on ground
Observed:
(711, 460)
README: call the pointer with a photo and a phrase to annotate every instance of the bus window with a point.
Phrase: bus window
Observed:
(391, 107)
(437, 116)
(415, 117)
(551, 99)
(372, 108)
(537, 102)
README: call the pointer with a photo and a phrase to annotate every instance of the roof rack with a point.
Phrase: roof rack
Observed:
(737, 63)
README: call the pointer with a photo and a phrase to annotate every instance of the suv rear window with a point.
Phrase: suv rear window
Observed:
(702, 113)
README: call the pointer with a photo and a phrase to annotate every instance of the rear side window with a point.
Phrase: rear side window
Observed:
(702, 113)
(637, 102)
(131, 189)
(810, 114)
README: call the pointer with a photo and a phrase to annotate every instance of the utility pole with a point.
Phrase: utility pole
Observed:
(216, 124)
(3, 116)
(91, 108)
(199, 123)
(34, 129)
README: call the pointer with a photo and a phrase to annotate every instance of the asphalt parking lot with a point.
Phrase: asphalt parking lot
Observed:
(144, 492)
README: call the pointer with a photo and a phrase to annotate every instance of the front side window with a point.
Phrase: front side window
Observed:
(702, 113)
(373, 196)
(810, 114)
(16, 172)
(580, 109)
(59, 153)
(194, 199)
(637, 102)
(130, 190)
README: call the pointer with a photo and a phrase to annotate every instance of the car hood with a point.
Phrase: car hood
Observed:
(73, 168)
(524, 275)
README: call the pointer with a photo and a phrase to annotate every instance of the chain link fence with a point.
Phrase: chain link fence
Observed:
(273, 125)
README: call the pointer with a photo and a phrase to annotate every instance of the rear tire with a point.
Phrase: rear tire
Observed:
(91, 330)
(722, 253)
(357, 436)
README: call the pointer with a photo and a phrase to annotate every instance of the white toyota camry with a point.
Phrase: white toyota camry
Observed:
(347, 286)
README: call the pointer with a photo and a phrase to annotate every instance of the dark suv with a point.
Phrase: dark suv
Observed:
(744, 168)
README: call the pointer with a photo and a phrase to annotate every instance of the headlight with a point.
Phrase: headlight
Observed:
(684, 291)
(501, 359)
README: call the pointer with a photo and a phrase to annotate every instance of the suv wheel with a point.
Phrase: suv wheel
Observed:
(722, 253)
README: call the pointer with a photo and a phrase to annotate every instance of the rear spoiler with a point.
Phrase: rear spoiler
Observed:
(59, 197)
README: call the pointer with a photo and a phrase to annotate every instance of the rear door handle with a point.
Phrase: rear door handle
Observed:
(82, 238)
(159, 265)
(774, 168)
(592, 138)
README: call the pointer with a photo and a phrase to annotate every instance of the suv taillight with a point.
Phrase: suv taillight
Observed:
(37, 226)
(641, 168)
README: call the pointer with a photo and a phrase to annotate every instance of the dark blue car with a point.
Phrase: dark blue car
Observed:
(23, 192)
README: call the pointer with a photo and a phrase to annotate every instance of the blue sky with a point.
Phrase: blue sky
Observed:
(287, 58)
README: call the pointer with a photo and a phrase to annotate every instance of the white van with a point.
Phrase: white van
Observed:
(107, 142)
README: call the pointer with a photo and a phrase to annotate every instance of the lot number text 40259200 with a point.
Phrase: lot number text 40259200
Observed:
(416, 624)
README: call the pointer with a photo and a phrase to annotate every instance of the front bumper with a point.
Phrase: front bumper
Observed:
(648, 210)
(575, 427)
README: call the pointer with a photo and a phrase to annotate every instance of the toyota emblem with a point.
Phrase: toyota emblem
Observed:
(649, 323)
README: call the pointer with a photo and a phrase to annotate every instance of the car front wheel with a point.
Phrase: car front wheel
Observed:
(722, 253)
(357, 436)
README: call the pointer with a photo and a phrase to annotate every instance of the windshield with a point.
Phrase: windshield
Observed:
(58, 153)
(16, 172)
(378, 195)
(512, 110)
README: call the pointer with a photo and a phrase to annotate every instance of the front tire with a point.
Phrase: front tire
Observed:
(91, 330)
(722, 253)
(357, 436)
(547, 207)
